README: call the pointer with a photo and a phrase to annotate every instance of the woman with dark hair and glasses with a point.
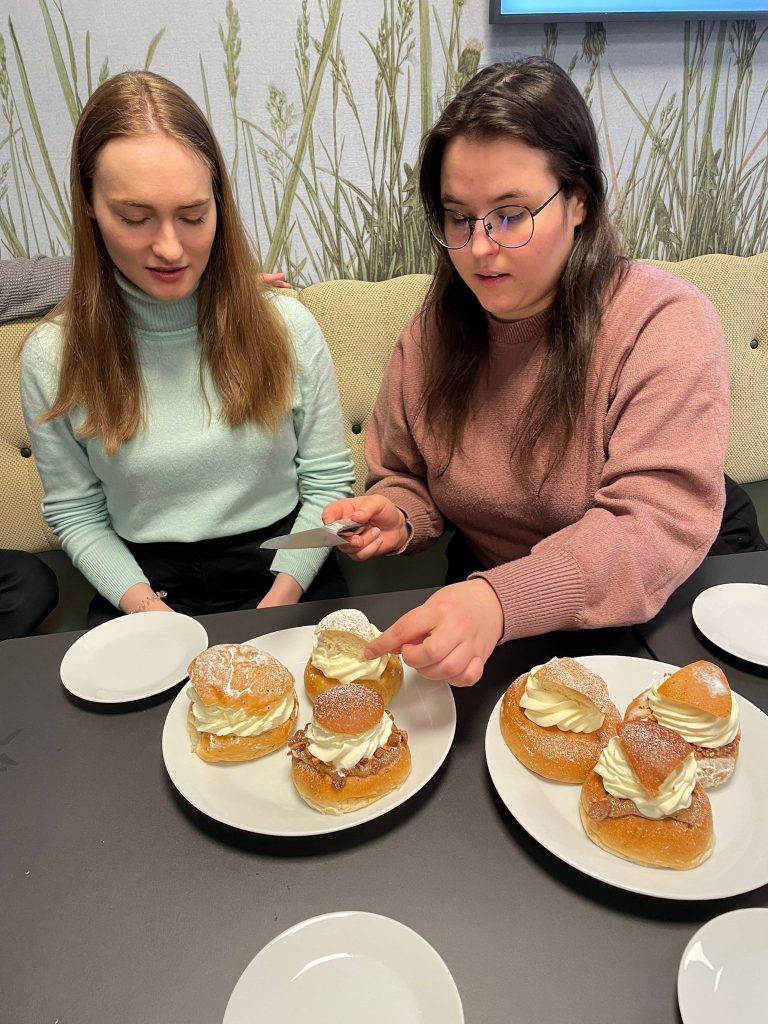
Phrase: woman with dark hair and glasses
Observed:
(564, 409)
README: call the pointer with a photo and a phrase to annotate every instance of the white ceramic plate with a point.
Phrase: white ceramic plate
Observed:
(346, 968)
(549, 811)
(735, 617)
(132, 657)
(258, 796)
(722, 974)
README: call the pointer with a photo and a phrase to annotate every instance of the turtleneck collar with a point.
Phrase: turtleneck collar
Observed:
(153, 316)
(517, 332)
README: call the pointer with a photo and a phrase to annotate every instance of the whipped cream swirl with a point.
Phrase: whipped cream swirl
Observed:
(230, 722)
(548, 707)
(344, 665)
(675, 793)
(696, 726)
(346, 751)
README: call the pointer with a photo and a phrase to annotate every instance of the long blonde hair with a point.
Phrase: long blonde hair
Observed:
(243, 338)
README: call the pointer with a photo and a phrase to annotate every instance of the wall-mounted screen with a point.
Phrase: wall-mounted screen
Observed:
(506, 11)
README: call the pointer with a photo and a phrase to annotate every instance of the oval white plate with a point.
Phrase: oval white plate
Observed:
(722, 972)
(132, 657)
(346, 968)
(735, 617)
(549, 811)
(258, 796)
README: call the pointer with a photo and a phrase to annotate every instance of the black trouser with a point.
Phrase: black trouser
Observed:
(738, 532)
(28, 592)
(218, 575)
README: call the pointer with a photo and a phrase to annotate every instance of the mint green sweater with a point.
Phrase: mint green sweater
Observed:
(187, 475)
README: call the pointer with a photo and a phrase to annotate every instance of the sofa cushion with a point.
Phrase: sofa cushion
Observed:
(21, 522)
(738, 287)
(361, 321)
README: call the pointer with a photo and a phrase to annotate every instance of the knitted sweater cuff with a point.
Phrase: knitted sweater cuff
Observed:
(539, 593)
(424, 522)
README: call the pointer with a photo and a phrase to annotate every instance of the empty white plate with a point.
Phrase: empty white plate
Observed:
(346, 968)
(722, 974)
(132, 657)
(735, 617)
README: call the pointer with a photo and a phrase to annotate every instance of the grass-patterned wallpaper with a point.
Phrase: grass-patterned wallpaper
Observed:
(319, 107)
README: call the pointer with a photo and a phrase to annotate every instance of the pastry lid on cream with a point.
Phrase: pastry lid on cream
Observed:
(348, 709)
(701, 685)
(573, 680)
(653, 752)
(349, 621)
(240, 676)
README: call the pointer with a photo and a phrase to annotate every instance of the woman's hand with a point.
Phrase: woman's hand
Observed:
(450, 636)
(284, 590)
(275, 280)
(385, 525)
(142, 598)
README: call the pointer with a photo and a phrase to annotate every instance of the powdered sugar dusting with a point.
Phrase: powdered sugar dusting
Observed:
(701, 685)
(714, 771)
(348, 620)
(348, 708)
(653, 752)
(217, 665)
(566, 675)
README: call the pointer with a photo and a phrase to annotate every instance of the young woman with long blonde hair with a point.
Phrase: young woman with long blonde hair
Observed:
(180, 411)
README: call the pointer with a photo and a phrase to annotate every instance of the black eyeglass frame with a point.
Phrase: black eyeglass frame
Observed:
(471, 221)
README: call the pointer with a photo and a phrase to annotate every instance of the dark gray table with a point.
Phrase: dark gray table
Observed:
(121, 903)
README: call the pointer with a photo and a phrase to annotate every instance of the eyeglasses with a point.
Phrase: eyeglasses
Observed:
(508, 226)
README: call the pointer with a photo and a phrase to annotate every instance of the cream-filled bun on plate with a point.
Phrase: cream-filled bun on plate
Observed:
(642, 801)
(243, 703)
(351, 753)
(557, 718)
(696, 702)
(337, 657)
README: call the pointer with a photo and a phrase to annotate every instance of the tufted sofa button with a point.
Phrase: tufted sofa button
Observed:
(754, 343)
(25, 453)
(356, 428)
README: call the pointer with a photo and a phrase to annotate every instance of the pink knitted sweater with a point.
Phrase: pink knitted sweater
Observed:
(635, 504)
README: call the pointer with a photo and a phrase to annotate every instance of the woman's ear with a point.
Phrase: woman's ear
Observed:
(577, 203)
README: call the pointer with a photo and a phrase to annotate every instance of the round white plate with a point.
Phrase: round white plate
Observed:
(549, 811)
(735, 617)
(346, 968)
(132, 657)
(721, 979)
(259, 796)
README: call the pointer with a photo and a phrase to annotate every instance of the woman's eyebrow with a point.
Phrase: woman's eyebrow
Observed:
(512, 194)
(196, 202)
(148, 206)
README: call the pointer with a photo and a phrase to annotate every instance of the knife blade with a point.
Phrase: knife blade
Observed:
(329, 536)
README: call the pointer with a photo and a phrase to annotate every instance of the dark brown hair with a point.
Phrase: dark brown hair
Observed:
(243, 338)
(532, 100)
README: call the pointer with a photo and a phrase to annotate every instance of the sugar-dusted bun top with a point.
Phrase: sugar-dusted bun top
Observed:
(348, 620)
(702, 685)
(652, 751)
(348, 709)
(572, 679)
(240, 676)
